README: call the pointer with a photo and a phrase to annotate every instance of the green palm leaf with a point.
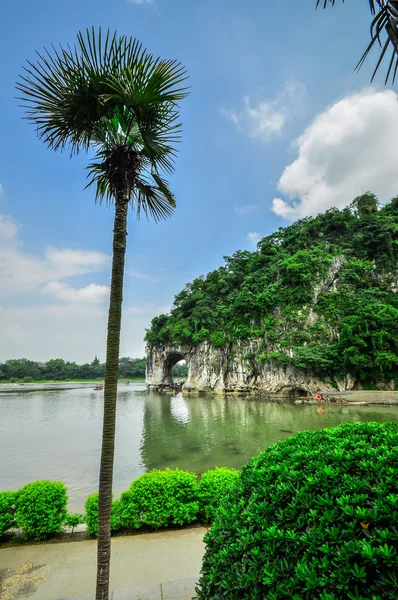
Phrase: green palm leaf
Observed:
(385, 23)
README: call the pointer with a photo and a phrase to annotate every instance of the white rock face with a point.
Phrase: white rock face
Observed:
(229, 370)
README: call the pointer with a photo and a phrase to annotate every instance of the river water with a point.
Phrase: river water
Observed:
(57, 434)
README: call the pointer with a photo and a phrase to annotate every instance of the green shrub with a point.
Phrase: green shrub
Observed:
(213, 487)
(73, 520)
(28, 379)
(313, 517)
(7, 511)
(160, 499)
(218, 339)
(91, 515)
(41, 508)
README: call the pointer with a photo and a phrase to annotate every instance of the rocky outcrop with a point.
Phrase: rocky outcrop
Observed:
(237, 368)
(233, 369)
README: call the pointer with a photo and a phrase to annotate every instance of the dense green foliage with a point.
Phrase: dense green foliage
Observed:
(160, 499)
(214, 486)
(317, 294)
(313, 517)
(91, 515)
(157, 499)
(41, 508)
(7, 511)
(26, 371)
(73, 520)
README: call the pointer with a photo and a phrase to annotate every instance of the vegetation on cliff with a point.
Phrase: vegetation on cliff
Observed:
(319, 294)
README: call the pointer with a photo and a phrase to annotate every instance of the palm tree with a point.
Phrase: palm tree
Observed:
(109, 95)
(385, 20)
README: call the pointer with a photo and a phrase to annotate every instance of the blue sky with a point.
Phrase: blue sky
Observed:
(277, 126)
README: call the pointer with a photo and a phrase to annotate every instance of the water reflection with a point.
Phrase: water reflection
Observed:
(57, 435)
(179, 409)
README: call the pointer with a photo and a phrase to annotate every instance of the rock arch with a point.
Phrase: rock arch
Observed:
(160, 363)
(227, 370)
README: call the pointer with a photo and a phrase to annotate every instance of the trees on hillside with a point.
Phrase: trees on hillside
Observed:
(271, 295)
(109, 95)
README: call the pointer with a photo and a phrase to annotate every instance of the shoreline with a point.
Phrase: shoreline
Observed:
(365, 397)
(56, 385)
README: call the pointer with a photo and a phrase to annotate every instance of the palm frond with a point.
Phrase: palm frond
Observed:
(372, 3)
(385, 22)
(118, 159)
(154, 201)
(150, 193)
(68, 92)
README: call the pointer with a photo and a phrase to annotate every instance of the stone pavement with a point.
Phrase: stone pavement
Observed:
(182, 589)
(154, 566)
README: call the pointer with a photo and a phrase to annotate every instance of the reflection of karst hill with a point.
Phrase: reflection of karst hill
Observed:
(198, 433)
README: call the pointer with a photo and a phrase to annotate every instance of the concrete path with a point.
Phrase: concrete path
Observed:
(65, 571)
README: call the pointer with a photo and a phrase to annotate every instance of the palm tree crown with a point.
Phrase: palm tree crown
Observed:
(385, 20)
(109, 94)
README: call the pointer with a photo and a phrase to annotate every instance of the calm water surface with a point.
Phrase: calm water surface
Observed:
(57, 434)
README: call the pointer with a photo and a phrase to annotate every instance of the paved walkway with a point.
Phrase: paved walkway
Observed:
(165, 565)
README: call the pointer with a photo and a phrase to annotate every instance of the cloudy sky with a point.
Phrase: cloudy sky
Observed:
(278, 127)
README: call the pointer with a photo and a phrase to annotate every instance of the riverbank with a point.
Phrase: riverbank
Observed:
(386, 398)
(41, 386)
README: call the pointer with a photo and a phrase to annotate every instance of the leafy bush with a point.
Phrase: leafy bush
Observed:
(213, 487)
(7, 511)
(28, 379)
(41, 508)
(218, 339)
(160, 499)
(73, 520)
(313, 517)
(91, 515)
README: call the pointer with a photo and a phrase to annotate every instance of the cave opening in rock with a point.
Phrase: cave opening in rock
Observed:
(300, 393)
(175, 367)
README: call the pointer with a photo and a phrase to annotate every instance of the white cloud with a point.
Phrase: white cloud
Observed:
(8, 227)
(138, 275)
(267, 118)
(76, 262)
(140, 1)
(21, 271)
(245, 209)
(91, 293)
(347, 150)
(75, 331)
(43, 315)
(253, 237)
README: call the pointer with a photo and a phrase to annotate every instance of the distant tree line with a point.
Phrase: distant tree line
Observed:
(58, 369)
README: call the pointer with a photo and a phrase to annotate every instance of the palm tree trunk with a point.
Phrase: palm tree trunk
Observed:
(110, 395)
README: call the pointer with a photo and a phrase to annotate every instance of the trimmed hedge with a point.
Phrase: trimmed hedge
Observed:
(313, 517)
(213, 487)
(41, 508)
(73, 520)
(157, 499)
(7, 511)
(91, 516)
(160, 499)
